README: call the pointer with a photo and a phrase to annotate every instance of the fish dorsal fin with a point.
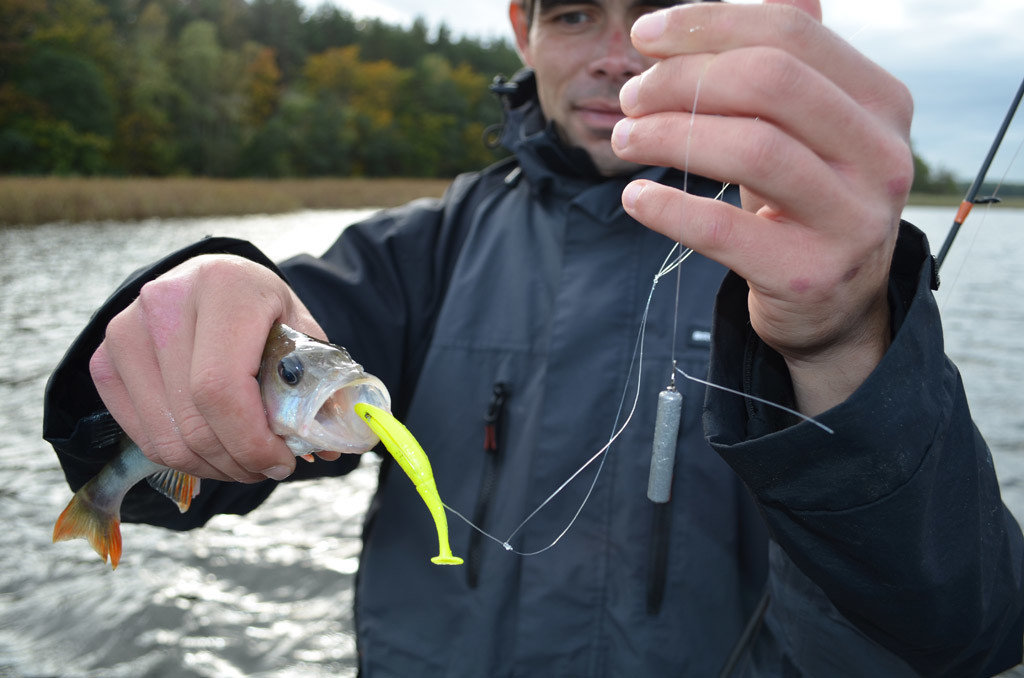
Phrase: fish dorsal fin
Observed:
(177, 486)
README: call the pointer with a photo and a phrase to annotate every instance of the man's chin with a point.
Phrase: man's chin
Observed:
(598, 145)
(610, 165)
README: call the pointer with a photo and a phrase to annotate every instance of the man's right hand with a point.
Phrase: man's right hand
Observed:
(177, 368)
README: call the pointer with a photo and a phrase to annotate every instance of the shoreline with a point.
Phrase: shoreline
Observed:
(26, 201)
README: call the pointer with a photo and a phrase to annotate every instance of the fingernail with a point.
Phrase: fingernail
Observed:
(629, 93)
(649, 26)
(278, 472)
(631, 194)
(621, 132)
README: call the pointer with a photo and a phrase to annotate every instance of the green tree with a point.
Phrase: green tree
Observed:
(209, 112)
(145, 139)
(60, 115)
(278, 24)
(928, 181)
(81, 27)
(227, 87)
(328, 26)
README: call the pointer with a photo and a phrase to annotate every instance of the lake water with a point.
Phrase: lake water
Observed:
(270, 594)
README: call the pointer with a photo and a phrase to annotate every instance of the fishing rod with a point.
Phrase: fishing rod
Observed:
(969, 200)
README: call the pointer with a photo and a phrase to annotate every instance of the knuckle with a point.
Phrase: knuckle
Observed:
(210, 388)
(900, 104)
(196, 432)
(168, 449)
(716, 228)
(101, 369)
(773, 74)
(119, 328)
(226, 269)
(793, 26)
(235, 277)
(157, 293)
(896, 162)
(764, 152)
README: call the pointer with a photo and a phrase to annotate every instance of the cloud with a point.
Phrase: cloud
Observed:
(478, 18)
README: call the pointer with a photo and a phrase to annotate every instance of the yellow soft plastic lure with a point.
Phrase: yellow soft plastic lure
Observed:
(413, 460)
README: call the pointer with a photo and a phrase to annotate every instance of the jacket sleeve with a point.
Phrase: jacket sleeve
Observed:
(896, 517)
(374, 291)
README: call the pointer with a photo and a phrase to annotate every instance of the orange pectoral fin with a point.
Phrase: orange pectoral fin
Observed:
(177, 486)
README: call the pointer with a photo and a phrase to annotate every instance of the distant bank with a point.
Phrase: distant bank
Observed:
(37, 200)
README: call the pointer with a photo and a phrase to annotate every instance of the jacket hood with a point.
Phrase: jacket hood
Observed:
(533, 139)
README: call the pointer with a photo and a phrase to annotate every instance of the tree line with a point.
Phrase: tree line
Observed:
(259, 88)
(230, 88)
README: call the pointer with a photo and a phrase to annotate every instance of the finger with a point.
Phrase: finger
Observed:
(781, 258)
(329, 455)
(229, 341)
(169, 314)
(721, 27)
(154, 428)
(743, 151)
(764, 83)
(114, 393)
(811, 7)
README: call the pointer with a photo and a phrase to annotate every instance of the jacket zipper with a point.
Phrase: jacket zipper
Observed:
(493, 420)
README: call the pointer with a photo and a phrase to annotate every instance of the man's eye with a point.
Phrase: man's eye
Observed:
(572, 18)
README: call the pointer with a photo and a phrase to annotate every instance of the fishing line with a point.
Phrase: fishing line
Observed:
(672, 262)
(686, 185)
(637, 362)
(989, 201)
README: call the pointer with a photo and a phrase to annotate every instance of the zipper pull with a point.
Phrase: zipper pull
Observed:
(493, 416)
(492, 425)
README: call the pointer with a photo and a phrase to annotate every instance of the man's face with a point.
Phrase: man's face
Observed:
(581, 55)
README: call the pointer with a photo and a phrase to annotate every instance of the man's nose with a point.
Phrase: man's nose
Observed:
(615, 57)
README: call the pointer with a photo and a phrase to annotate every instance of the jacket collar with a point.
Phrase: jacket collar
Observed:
(551, 167)
(544, 159)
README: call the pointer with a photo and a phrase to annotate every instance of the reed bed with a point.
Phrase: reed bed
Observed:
(37, 200)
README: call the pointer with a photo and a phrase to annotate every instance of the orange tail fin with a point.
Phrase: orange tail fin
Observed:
(82, 518)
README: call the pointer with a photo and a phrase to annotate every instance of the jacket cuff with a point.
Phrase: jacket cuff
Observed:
(875, 447)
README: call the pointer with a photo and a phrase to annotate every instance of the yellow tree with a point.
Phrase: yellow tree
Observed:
(262, 88)
(370, 89)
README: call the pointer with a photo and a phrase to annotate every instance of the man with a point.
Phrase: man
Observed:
(516, 300)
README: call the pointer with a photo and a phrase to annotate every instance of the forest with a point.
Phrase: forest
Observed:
(236, 88)
(250, 88)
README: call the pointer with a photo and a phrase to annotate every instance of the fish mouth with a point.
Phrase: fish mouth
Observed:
(336, 426)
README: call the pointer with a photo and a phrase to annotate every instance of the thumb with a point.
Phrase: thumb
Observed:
(812, 7)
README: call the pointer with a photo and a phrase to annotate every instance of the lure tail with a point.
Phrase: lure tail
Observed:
(428, 491)
(85, 518)
(413, 460)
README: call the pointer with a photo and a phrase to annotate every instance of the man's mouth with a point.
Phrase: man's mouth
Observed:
(598, 113)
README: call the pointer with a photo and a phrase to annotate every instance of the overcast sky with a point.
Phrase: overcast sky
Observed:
(963, 62)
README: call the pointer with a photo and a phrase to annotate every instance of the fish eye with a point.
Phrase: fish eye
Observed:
(290, 370)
